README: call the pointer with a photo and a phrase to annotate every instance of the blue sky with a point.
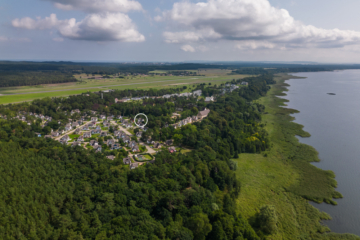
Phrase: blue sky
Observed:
(170, 30)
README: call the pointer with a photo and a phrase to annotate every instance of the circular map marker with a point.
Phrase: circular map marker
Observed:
(140, 114)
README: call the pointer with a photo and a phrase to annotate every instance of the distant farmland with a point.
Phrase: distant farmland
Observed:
(28, 93)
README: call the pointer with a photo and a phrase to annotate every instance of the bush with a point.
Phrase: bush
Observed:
(267, 219)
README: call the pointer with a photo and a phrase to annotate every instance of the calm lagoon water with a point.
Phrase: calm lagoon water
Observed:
(334, 124)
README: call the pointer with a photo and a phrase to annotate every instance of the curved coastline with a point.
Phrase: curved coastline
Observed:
(284, 176)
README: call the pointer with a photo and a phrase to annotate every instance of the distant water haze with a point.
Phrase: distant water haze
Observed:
(334, 124)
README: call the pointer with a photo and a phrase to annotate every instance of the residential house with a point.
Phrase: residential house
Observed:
(93, 143)
(244, 83)
(138, 134)
(233, 87)
(55, 134)
(110, 142)
(74, 144)
(133, 165)
(119, 117)
(111, 157)
(77, 131)
(85, 128)
(103, 134)
(194, 118)
(75, 124)
(106, 124)
(157, 145)
(172, 149)
(98, 148)
(47, 136)
(197, 93)
(209, 99)
(131, 144)
(96, 131)
(127, 160)
(175, 115)
(110, 118)
(125, 99)
(126, 139)
(169, 142)
(87, 135)
(67, 127)
(65, 138)
(102, 117)
(117, 134)
(135, 148)
(115, 146)
(75, 111)
(94, 119)
(185, 94)
(187, 120)
(203, 114)
(80, 139)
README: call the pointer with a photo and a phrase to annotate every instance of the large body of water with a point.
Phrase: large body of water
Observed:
(334, 124)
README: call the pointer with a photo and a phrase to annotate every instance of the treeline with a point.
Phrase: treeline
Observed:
(292, 69)
(12, 79)
(99, 68)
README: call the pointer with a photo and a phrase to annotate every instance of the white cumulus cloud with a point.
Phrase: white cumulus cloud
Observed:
(251, 24)
(94, 27)
(188, 48)
(97, 6)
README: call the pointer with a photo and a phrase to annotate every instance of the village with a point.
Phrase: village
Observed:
(106, 133)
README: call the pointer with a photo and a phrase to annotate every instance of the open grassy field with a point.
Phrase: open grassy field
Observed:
(283, 176)
(28, 93)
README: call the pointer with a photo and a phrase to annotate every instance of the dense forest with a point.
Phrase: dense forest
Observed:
(12, 79)
(54, 191)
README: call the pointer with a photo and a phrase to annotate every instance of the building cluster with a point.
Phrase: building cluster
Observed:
(229, 88)
(201, 115)
(196, 93)
(23, 116)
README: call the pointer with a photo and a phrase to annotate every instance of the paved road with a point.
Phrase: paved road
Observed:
(70, 132)
(127, 84)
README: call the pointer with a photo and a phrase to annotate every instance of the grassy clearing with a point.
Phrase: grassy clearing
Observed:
(143, 157)
(283, 176)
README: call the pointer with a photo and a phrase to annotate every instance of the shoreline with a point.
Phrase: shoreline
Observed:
(284, 177)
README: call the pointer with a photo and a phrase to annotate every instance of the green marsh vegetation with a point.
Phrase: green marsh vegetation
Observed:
(283, 177)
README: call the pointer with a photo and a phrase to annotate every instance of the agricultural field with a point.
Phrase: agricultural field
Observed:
(28, 93)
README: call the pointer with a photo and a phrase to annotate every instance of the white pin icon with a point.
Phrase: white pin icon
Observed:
(141, 114)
